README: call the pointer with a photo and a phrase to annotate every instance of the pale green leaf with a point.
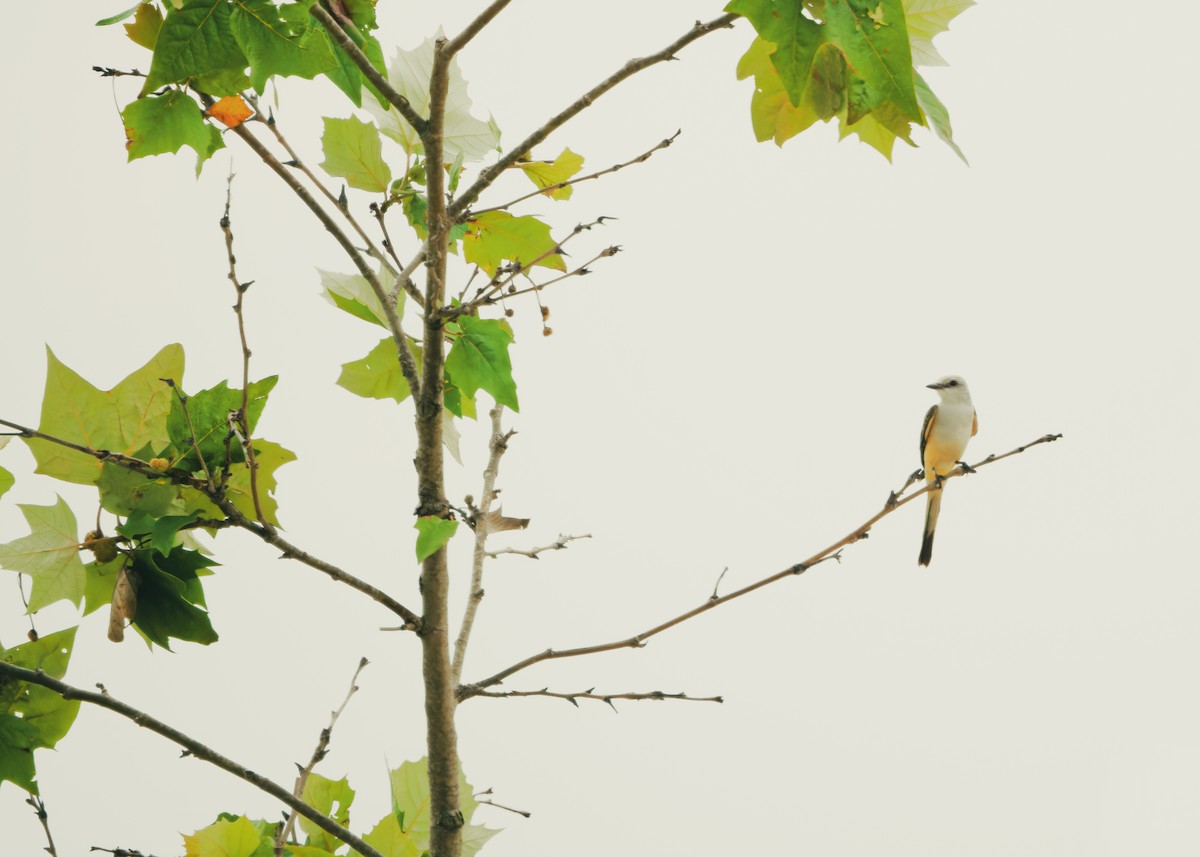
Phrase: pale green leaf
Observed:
(353, 152)
(7, 480)
(328, 797)
(224, 838)
(474, 837)
(49, 555)
(432, 534)
(938, 115)
(926, 19)
(378, 375)
(353, 294)
(547, 174)
(120, 16)
(390, 840)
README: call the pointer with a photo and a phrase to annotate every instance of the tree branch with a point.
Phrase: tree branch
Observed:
(608, 698)
(638, 640)
(285, 829)
(39, 807)
(334, 27)
(559, 544)
(490, 174)
(472, 30)
(193, 748)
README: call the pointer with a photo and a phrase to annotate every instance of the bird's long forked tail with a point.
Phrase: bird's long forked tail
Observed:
(932, 507)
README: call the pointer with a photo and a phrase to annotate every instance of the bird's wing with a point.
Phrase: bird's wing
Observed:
(974, 423)
(926, 428)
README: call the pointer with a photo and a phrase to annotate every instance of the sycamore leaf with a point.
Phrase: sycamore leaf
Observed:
(795, 36)
(269, 457)
(545, 174)
(353, 151)
(378, 375)
(497, 236)
(196, 44)
(205, 425)
(120, 16)
(162, 124)
(410, 799)
(122, 491)
(331, 798)
(353, 294)
(432, 534)
(926, 19)
(938, 115)
(346, 76)
(479, 360)
(231, 111)
(409, 74)
(873, 36)
(146, 24)
(165, 531)
(474, 837)
(772, 114)
(223, 838)
(390, 840)
(6, 481)
(274, 45)
(49, 555)
(32, 716)
(871, 131)
(170, 597)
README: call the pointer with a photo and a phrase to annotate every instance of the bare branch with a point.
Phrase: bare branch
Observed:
(490, 174)
(608, 698)
(472, 30)
(192, 746)
(831, 552)
(39, 808)
(533, 553)
(501, 806)
(285, 829)
(644, 156)
(339, 35)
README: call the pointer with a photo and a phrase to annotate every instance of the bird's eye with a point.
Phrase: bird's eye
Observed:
(953, 383)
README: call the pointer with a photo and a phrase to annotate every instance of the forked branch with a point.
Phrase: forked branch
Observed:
(638, 640)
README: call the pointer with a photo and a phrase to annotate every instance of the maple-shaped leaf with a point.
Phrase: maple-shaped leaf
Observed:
(464, 134)
(795, 36)
(170, 598)
(225, 838)
(200, 435)
(873, 36)
(331, 798)
(49, 555)
(548, 174)
(772, 114)
(32, 716)
(146, 24)
(432, 534)
(163, 124)
(281, 41)
(410, 799)
(479, 359)
(926, 19)
(389, 839)
(231, 111)
(378, 375)
(353, 151)
(495, 237)
(346, 76)
(196, 45)
(353, 294)
(269, 457)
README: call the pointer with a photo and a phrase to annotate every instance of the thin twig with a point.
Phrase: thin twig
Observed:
(192, 746)
(502, 806)
(581, 271)
(490, 174)
(235, 518)
(239, 289)
(334, 27)
(39, 807)
(559, 544)
(322, 749)
(608, 698)
(549, 189)
(472, 29)
(831, 552)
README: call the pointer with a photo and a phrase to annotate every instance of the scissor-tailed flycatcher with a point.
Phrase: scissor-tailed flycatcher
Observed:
(948, 427)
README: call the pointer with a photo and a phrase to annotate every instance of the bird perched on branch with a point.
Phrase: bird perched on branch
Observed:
(949, 425)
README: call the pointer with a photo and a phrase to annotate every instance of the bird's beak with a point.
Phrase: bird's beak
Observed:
(936, 386)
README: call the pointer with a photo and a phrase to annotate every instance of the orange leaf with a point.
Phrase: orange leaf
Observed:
(231, 111)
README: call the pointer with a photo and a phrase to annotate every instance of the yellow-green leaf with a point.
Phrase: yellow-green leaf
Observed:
(549, 174)
(224, 838)
(495, 237)
(49, 555)
(353, 151)
(926, 19)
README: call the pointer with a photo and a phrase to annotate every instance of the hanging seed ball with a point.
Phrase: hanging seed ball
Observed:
(546, 331)
(508, 313)
(545, 312)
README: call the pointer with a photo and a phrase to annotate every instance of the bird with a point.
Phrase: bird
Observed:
(949, 426)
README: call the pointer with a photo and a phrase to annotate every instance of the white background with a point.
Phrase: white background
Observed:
(740, 387)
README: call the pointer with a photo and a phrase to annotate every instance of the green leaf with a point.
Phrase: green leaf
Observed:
(546, 174)
(6, 481)
(390, 840)
(123, 491)
(873, 36)
(99, 583)
(163, 124)
(224, 838)
(479, 360)
(168, 592)
(120, 16)
(432, 534)
(354, 152)
(938, 115)
(146, 24)
(497, 236)
(795, 36)
(49, 555)
(32, 716)
(208, 416)
(124, 419)
(353, 294)
(166, 529)
(331, 798)
(196, 45)
(772, 114)
(463, 134)
(410, 799)
(378, 375)
(926, 19)
(275, 45)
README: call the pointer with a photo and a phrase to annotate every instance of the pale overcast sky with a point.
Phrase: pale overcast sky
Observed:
(741, 386)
